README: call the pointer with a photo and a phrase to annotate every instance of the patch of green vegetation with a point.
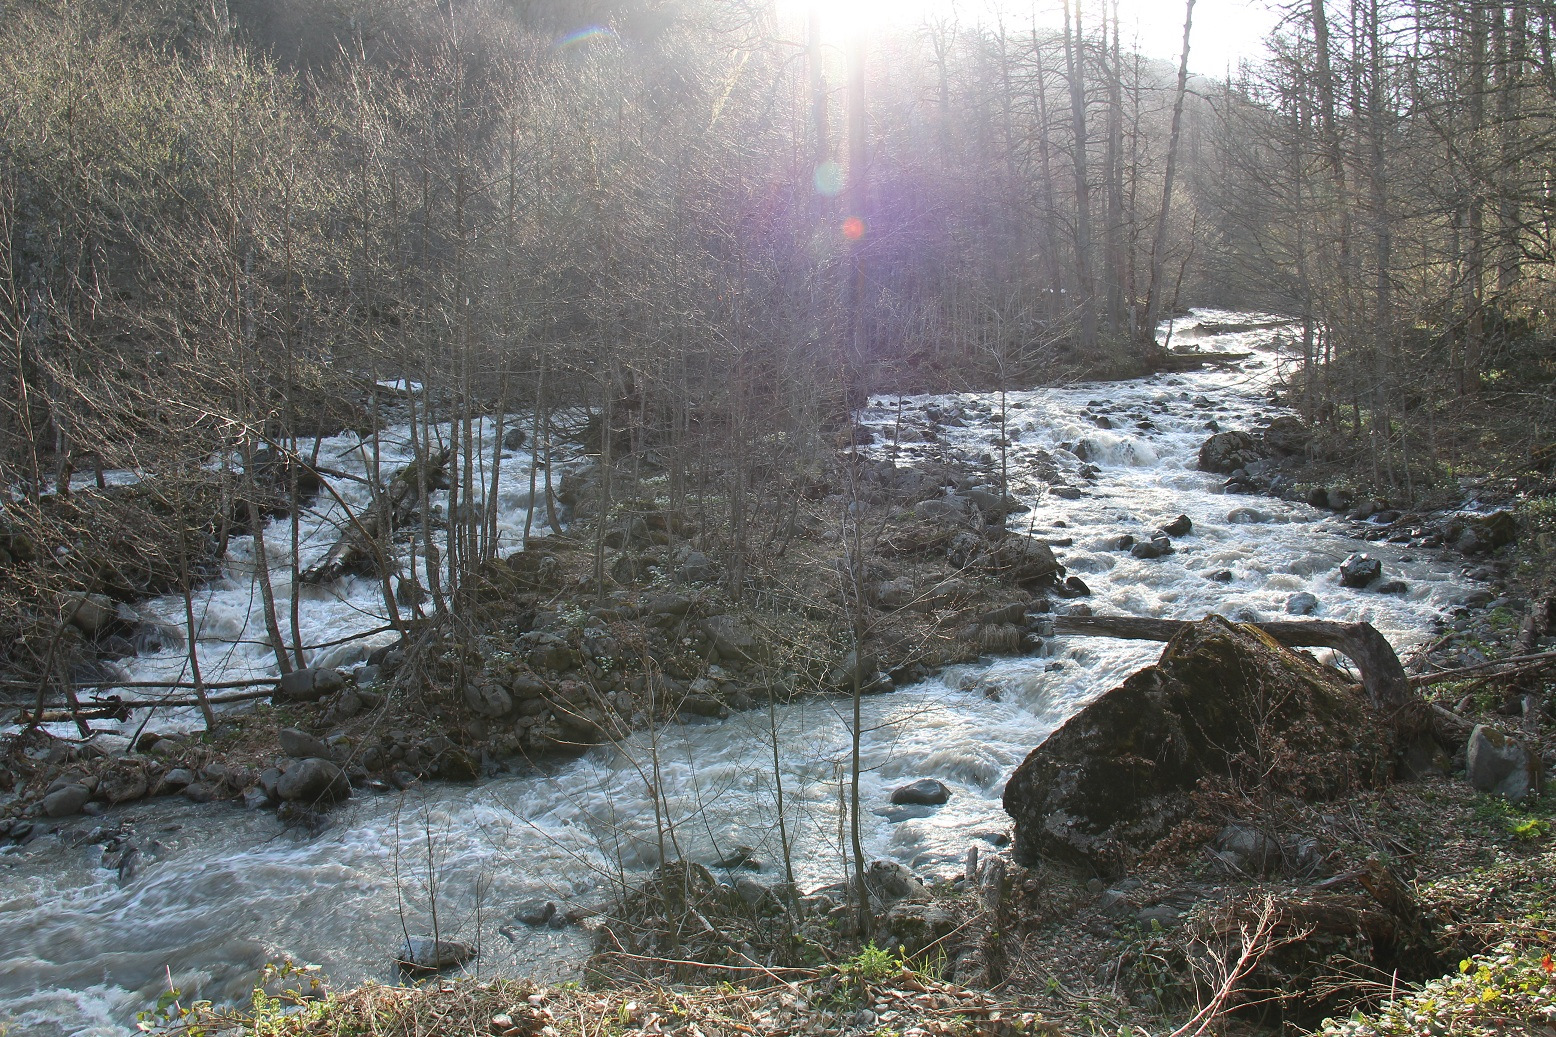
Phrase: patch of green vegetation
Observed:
(1506, 991)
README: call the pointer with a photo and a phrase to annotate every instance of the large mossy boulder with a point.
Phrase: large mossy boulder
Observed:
(1224, 702)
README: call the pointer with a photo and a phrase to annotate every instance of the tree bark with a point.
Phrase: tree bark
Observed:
(1383, 676)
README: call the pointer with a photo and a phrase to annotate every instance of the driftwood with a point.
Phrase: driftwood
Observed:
(1194, 361)
(356, 548)
(1383, 677)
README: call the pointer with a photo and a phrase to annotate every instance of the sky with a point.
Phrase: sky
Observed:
(1225, 31)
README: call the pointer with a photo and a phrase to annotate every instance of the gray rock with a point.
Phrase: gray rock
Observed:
(89, 613)
(176, 780)
(1358, 570)
(1253, 850)
(489, 700)
(1497, 762)
(923, 792)
(940, 508)
(1302, 604)
(425, 954)
(1065, 492)
(1288, 435)
(1393, 587)
(535, 912)
(513, 439)
(63, 802)
(1226, 452)
(311, 781)
(890, 881)
(1160, 915)
(732, 637)
(301, 745)
(309, 685)
(917, 927)
(1180, 526)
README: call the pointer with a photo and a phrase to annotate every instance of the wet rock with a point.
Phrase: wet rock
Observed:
(1226, 452)
(1338, 498)
(1484, 534)
(1113, 779)
(301, 745)
(1123, 543)
(924, 792)
(204, 792)
(1288, 435)
(1246, 516)
(1302, 604)
(1074, 587)
(1358, 570)
(313, 781)
(1065, 492)
(1498, 763)
(1222, 576)
(309, 685)
(1180, 526)
(426, 954)
(1156, 547)
(1392, 587)
(513, 439)
(535, 912)
(66, 800)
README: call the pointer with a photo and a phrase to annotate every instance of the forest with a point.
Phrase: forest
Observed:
(683, 265)
(715, 225)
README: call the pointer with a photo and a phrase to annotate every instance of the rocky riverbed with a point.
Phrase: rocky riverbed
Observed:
(605, 737)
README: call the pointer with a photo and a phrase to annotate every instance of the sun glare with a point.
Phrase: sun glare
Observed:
(1225, 31)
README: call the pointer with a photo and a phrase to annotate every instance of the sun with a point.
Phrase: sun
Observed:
(848, 18)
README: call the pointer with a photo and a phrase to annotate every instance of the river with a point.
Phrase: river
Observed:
(221, 890)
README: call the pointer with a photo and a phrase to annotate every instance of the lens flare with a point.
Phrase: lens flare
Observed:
(582, 36)
(853, 228)
(829, 179)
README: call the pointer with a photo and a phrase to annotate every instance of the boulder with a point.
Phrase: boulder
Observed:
(1023, 560)
(1497, 762)
(1288, 435)
(1226, 452)
(915, 928)
(1302, 604)
(309, 685)
(91, 614)
(66, 800)
(313, 781)
(1156, 547)
(925, 792)
(1484, 534)
(426, 954)
(890, 882)
(733, 638)
(301, 745)
(1358, 570)
(1115, 777)
(489, 700)
(1180, 526)
(513, 439)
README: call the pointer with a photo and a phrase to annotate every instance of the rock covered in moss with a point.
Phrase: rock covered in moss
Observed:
(1223, 700)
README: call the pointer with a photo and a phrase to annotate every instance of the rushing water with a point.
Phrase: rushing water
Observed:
(220, 891)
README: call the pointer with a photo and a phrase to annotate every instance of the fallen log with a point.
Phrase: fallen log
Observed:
(1383, 677)
(1176, 362)
(354, 551)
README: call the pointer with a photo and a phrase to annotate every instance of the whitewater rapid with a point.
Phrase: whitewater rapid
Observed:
(221, 890)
